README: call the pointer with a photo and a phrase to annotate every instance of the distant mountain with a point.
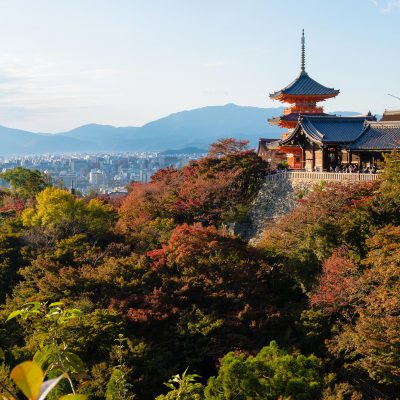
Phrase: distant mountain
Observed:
(185, 150)
(194, 128)
(15, 141)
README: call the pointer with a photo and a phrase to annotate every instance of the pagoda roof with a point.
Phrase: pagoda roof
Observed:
(294, 117)
(331, 129)
(304, 85)
(378, 136)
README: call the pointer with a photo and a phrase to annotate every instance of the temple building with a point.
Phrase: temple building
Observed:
(316, 141)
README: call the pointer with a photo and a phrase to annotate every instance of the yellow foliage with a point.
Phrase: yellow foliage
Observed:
(28, 376)
(57, 207)
(53, 206)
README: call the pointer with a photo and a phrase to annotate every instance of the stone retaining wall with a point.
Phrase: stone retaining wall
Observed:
(279, 195)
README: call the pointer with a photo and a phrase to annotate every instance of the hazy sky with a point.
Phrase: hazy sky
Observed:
(65, 63)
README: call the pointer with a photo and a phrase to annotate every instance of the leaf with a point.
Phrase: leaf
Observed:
(28, 376)
(2, 355)
(74, 362)
(44, 356)
(73, 397)
(14, 314)
(48, 386)
(56, 304)
(36, 305)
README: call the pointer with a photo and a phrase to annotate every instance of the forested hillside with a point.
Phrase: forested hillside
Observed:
(148, 296)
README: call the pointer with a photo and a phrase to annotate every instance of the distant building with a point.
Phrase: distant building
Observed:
(96, 177)
(78, 165)
(68, 179)
(391, 116)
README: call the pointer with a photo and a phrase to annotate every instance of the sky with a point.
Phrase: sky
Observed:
(65, 63)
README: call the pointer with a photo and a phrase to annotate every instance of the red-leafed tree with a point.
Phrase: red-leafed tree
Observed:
(371, 339)
(337, 287)
(203, 293)
(217, 188)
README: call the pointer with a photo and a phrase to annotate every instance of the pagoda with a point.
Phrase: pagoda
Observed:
(302, 94)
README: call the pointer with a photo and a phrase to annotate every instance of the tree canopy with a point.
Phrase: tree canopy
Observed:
(167, 303)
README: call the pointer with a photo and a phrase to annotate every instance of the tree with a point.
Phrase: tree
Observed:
(270, 375)
(26, 183)
(337, 287)
(57, 209)
(212, 190)
(327, 219)
(371, 339)
(387, 201)
(226, 147)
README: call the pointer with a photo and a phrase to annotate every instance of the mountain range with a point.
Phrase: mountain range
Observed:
(195, 128)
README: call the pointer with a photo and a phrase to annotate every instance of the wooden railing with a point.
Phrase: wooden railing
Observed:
(322, 176)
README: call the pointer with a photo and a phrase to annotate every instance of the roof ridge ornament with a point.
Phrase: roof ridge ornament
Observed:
(303, 53)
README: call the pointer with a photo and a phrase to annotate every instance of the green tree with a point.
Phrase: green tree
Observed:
(271, 374)
(387, 202)
(26, 183)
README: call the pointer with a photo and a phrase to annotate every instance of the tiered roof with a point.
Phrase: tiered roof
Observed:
(331, 129)
(303, 85)
(295, 117)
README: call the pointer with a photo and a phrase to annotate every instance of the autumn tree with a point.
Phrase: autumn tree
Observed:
(58, 210)
(228, 146)
(212, 190)
(387, 201)
(336, 288)
(371, 339)
(332, 215)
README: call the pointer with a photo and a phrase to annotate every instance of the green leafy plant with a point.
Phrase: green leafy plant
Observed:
(117, 387)
(30, 380)
(183, 387)
(53, 352)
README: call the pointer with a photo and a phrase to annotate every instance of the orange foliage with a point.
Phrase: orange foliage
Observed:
(337, 285)
(208, 190)
(187, 244)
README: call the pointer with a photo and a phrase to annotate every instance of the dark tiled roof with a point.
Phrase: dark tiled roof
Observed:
(269, 144)
(331, 129)
(304, 85)
(378, 136)
(334, 129)
(295, 116)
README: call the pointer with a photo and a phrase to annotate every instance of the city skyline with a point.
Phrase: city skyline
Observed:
(125, 63)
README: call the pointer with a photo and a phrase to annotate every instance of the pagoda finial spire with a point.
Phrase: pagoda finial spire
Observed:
(303, 53)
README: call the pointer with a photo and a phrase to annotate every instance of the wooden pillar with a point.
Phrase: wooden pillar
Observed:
(313, 156)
